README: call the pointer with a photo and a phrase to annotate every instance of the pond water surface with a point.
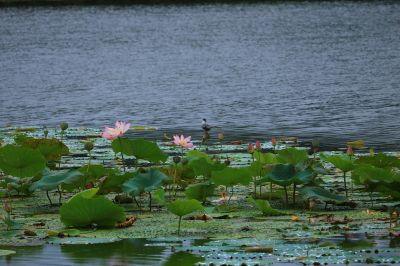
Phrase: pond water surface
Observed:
(328, 69)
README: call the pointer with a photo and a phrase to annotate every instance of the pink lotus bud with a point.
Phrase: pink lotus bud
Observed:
(7, 207)
(250, 148)
(350, 150)
(273, 141)
(258, 145)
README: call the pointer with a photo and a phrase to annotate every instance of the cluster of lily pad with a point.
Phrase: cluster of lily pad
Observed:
(185, 184)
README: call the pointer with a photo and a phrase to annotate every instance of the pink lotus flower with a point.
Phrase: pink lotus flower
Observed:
(258, 145)
(183, 142)
(119, 130)
(349, 150)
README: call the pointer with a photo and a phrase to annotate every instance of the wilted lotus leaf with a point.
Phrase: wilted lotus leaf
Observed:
(87, 209)
(21, 161)
(144, 182)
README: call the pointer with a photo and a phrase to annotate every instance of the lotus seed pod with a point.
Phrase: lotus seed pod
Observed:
(89, 146)
(64, 126)
(176, 159)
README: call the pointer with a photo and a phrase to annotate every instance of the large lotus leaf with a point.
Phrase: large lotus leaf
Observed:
(342, 162)
(303, 177)
(140, 148)
(368, 173)
(51, 149)
(195, 154)
(113, 182)
(200, 191)
(282, 174)
(231, 176)
(52, 180)
(264, 207)
(292, 156)
(144, 182)
(380, 160)
(21, 161)
(265, 158)
(95, 171)
(321, 194)
(184, 207)
(203, 167)
(86, 209)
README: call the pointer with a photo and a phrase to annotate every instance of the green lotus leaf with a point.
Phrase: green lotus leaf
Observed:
(265, 158)
(196, 154)
(203, 167)
(51, 149)
(264, 207)
(144, 182)
(380, 160)
(4, 252)
(52, 180)
(282, 174)
(82, 240)
(184, 207)
(292, 156)
(21, 161)
(87, 209)
(342, 162)
(140, 148)
(159, 195)
(200, 191)
(231, 176)
(370, 173)
(113, 182)
(303, 177)
(321, 194)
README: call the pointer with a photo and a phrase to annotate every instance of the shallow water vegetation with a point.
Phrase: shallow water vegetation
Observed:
(173, 178)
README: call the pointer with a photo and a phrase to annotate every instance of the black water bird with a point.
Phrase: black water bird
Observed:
(206, 127)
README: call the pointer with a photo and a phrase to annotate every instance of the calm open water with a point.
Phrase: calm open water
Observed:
(328, 70)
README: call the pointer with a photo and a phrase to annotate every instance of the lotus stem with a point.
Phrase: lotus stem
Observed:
(270, 190)
(122, 154)
(294, 194)
(150, 201)
(286, 194)
(230, 196)
(345, 183)
(59, 194)
(179, 225)
(48, 197)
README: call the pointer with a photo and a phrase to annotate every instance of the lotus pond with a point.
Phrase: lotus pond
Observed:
(120, 197)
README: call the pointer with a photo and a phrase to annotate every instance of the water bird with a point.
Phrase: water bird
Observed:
(206, 127)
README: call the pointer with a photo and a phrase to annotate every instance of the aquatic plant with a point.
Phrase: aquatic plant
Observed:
(183, 142)
(184, 207)
(343, 162)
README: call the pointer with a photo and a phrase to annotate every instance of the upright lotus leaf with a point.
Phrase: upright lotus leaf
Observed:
(21, 161)
(371, 174)
(95, 171)
(380, 160)
(303, 177)
(231, 176)
(144, 182)
(321, 194)
(52, 180)
(342, 161)
(264, 207)
(140, 148)
(87, 209)
(159, 195)
(203, 167)
(265, 158)
(196, 154)
(183, 207)
(113, 182)
(51, 149)
(200, 191)
(282, 174)
(292, 156)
